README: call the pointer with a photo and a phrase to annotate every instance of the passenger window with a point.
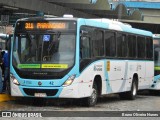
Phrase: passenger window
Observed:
(141, 47)
(97, 43)
(85, 51)
(131, 46)
(121, 45)
(149, 48)
(110, 44)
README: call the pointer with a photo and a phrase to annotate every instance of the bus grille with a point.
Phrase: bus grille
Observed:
(49, 92)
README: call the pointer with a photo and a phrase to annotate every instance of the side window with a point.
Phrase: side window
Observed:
(15, 44)
(97, 43)
(85, 51)
(23, 44)
(110, 43)
(131, 46)
(149, 48)
(121, 45)
(141, 47)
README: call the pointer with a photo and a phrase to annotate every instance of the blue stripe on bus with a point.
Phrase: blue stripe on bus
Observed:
(108, 85)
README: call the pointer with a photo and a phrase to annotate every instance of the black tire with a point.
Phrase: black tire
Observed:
(92, 100)
(131, 95)
(134, 88)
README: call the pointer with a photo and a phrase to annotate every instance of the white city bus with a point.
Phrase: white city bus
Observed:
(79, 58)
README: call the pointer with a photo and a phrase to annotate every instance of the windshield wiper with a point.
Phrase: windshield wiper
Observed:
(32, 45)
(55, 39)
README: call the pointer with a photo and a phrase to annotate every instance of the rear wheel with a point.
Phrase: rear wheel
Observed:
(92, 100)
(131, 95)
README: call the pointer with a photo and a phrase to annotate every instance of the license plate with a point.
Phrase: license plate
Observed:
(40, 95)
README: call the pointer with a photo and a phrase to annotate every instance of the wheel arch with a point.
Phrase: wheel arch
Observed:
(98, 82)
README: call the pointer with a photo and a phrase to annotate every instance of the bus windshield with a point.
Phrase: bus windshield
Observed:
(43, 52)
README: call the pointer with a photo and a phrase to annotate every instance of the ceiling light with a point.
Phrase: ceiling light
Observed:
(10, 7)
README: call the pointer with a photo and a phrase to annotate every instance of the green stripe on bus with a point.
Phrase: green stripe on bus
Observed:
(156, 68)
(28, 65)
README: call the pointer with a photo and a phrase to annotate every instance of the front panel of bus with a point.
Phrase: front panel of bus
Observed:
(43, 54)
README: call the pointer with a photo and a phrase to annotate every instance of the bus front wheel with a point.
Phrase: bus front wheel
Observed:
(92, 100)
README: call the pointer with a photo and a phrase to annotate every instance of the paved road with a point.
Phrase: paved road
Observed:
(144, 102)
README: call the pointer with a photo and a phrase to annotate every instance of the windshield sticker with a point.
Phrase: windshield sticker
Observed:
(46, 38)
(62, 66)
(28, 65)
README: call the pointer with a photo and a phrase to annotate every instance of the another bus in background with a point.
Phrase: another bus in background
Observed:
(155, 87)
(156, 42)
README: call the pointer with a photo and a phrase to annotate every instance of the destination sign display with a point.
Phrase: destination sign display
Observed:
(45, 25)
(42, 25)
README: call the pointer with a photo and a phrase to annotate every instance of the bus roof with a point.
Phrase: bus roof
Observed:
(101, 23)
(46, 18)
(116, 25)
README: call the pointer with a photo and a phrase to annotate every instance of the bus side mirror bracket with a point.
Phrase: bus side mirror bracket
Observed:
(83, 33)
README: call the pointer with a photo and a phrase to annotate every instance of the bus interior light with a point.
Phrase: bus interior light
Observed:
(14, 80)
(69, 81)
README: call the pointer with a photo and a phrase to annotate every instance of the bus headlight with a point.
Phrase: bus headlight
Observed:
(69, 81)
(14, 80)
